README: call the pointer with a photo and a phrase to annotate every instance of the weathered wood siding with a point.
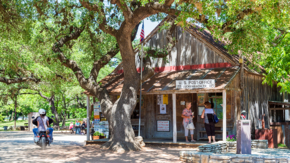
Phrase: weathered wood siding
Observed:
(188, 51)
(152, 116)
(256, 97)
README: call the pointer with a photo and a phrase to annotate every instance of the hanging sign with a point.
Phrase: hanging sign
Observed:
(193, 84)
(182, 102)
(159, 99)
(162, 109)
(165, 99)
(97, 105)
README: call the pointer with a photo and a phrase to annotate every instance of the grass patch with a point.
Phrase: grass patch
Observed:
(11, 123)
(21, 122)
(282, 145)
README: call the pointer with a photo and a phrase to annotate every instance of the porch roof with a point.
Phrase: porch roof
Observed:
(279, 103)
(166, 81)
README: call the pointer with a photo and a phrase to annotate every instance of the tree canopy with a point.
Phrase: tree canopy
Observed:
(47, 43)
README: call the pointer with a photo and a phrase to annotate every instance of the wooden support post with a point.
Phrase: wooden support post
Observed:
(174, 118)
(88, 118)
(224, 115)
(275, 119)
(242, 98)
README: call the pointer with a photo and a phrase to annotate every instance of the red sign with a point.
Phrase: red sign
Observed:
(163, 126)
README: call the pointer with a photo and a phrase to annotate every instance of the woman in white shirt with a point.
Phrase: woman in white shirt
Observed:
(207, 115)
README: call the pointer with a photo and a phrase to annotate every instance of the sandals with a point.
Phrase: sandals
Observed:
(209, 142)
(193, 141)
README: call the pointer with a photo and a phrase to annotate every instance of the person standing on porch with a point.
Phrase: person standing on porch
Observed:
(207, 115)
(187, 119)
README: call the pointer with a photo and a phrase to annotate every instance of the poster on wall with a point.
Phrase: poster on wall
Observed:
(165, 99)
(97, 105)
(200, 109)
(163, 126)
(159, 99)
(200, 99)
(162, 109)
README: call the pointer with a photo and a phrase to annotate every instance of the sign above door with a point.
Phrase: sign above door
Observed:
(194, 84)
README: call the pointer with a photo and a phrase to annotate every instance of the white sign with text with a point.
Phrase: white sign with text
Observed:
(193, 84)
(163, 126)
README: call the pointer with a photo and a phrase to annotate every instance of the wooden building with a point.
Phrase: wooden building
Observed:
(196, 56)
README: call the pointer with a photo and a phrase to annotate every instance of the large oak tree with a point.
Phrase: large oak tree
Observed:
(100, 29)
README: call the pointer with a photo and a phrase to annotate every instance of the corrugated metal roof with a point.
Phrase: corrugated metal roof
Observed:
(166, 81)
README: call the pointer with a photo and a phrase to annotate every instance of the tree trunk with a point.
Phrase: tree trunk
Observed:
(12, 115)
(15, 106)
(123, 136)
(63, 120)
(53, 110)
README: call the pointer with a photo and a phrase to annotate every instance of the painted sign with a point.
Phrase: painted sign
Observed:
(182, 102)
(97, 105)
(165, 99)
(163, 126)
(159, 99)
(162, 109)
(193, 84)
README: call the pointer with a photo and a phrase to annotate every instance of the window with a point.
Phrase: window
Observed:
(216, 99)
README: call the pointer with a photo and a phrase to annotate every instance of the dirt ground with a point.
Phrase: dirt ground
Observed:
(19, 147)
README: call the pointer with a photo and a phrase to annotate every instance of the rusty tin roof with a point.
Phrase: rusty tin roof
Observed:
(166, 81)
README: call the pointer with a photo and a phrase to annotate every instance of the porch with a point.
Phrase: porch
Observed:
(158, 142)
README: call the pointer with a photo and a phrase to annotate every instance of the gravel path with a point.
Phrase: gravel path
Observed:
(19, 147)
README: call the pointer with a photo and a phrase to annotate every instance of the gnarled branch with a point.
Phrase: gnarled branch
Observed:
(124, 7)
(87, 84)
(18, 80)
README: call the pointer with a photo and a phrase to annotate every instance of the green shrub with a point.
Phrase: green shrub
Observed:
(282, 145)
(97, 134)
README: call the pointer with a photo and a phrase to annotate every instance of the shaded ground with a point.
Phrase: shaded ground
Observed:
(19, 147)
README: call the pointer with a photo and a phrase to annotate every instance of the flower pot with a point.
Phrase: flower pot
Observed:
(96, 137)
(102, 137)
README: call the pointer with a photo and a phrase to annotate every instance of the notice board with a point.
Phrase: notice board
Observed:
(163, 126)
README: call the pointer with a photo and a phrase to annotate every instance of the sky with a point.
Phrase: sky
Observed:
(148, 27)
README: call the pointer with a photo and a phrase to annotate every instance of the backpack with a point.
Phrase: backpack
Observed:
(35, 121)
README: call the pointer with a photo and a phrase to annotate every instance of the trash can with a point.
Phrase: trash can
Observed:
(243, 137)
(5, 128)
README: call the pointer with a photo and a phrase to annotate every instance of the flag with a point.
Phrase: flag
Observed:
(142, 35)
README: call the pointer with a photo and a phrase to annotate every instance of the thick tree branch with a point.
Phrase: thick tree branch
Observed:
(19, 80)
(103, 25)
(124, 7)
(107, 58)
(41, 95)
(168, 2)
(102, 62)
(151, 9)
(88, 84)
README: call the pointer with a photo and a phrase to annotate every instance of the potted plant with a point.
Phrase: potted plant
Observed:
(96, 135)
(102, 136)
